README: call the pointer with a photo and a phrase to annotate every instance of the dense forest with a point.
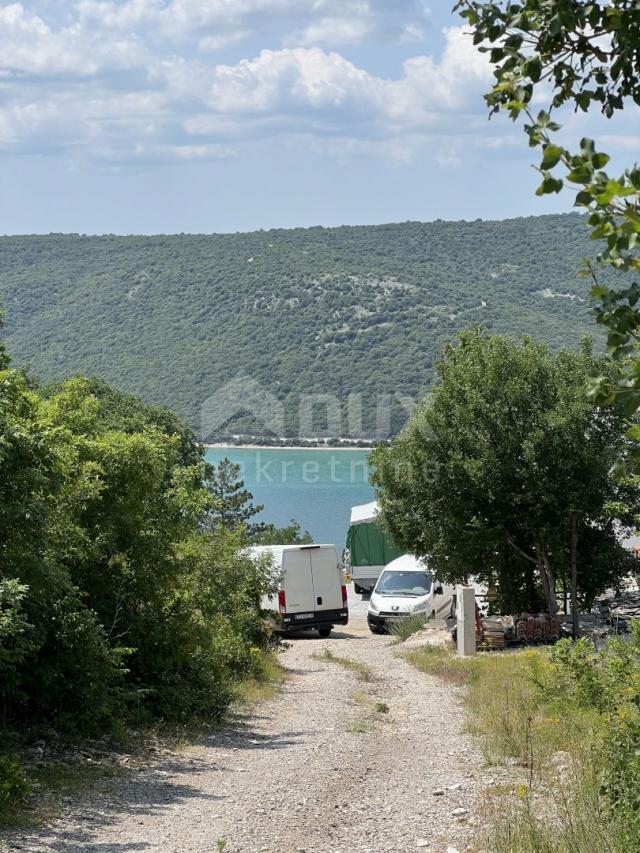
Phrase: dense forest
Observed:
(323, 310)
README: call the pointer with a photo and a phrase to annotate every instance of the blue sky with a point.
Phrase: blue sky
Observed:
(148, 116)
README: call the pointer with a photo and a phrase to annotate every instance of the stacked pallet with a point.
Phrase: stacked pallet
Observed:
(493, 630)
(538, 628)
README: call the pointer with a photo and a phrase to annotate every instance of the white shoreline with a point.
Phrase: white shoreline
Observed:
(221, 446)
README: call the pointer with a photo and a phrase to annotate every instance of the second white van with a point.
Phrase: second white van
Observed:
(405, 589)
(312, 590)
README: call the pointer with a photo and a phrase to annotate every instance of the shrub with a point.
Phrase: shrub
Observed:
(13, 784)
(402, 629)
(571, 721)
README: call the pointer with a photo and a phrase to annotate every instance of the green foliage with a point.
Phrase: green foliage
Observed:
(231, 503)
(404, 628)
(232, 507)
(585, 55)
(269, 534)
(320, 310)
(495, 468)
(14, 627)
(574, 786)
(13, 784)
(609, 682)
(114, 601)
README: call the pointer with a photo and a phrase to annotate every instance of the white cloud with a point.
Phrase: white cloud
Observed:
(288, 79)
(333, 30)
(150, 153)
(106, 83)
(619, 140)
(353, 21)
(119, 16)
(21, 122)
(29, 46)
(223, 22)
(310, 78)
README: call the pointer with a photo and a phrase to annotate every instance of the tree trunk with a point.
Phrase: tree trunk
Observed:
(574, 578)
(552, 603)
(547, 578)
(543, 576)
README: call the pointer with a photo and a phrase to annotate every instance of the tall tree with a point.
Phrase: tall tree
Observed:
(585, 55)
(505, 473)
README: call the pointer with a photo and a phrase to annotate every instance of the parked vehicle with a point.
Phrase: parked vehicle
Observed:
(312, 591)
(404, 590)
(369, 547)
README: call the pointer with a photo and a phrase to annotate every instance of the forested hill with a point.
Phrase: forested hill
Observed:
(327, 310)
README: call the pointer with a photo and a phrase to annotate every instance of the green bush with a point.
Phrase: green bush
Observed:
(14, 786)
(115, 602)
(570, 719)
(609, 682)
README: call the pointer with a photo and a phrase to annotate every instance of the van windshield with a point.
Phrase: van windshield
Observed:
(404, 583)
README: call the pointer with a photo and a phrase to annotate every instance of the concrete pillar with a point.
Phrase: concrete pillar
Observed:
(466, 614)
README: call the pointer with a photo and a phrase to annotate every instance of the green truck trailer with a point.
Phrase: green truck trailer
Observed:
(369, 547)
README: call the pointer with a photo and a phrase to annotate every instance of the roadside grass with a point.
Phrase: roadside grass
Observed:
(358, 726)
(552, 744)
(439, 661)
(266, 680)
(402, 629)
(362, 671)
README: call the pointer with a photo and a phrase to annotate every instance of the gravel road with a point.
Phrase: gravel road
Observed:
(322, 767)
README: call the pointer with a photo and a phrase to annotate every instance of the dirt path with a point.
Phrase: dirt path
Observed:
(319, 768)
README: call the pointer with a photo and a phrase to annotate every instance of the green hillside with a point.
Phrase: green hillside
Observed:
(324, 310)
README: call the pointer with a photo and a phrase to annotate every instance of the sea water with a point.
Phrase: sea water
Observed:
(317, 488)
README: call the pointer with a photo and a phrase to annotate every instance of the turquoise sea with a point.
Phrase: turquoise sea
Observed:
(316, 487)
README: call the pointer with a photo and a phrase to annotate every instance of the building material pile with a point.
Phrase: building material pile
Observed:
(497, 631)
(538, 628)
(618, 607)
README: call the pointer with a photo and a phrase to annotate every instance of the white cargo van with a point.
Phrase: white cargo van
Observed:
(405, 589)
(312, 591)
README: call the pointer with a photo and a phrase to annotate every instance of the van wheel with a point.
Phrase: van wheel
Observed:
(324, 632)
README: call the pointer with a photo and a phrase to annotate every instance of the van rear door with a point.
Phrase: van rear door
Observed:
(327, 579)
(297, 582)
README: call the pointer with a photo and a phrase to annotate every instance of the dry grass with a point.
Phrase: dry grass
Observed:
(402, 629)
(362, 671)
(439, 661)
(358, 726)
(265, 683)
(550, 744)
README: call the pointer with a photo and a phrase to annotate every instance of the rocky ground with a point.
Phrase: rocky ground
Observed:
(341, 761)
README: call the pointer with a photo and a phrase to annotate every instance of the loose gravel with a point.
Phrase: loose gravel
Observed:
(333, 764)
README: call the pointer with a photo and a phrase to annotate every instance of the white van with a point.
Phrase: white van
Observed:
(404, 590)
(312, 591)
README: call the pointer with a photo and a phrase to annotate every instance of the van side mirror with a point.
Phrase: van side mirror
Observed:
(437, 590)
